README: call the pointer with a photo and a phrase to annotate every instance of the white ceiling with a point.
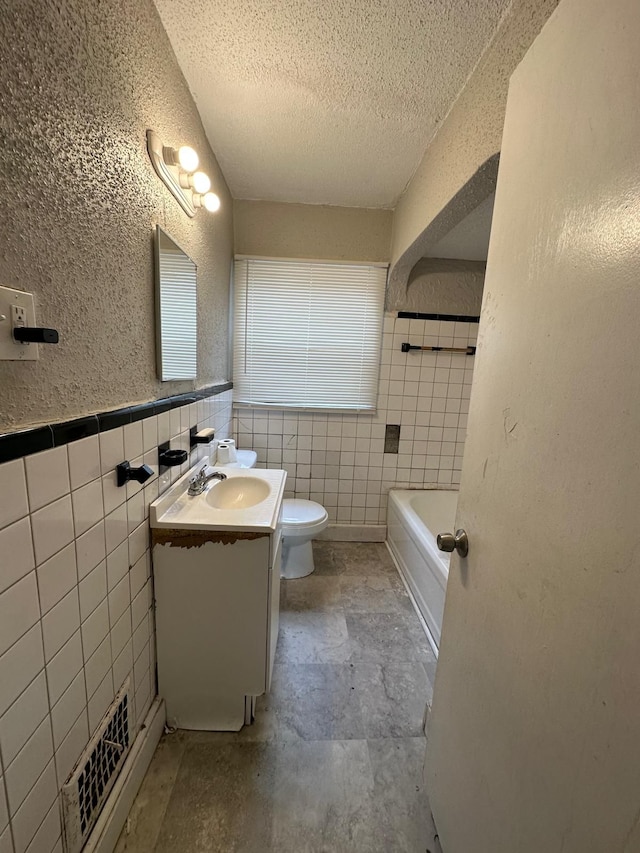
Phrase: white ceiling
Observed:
(469, 240)
(325, 101)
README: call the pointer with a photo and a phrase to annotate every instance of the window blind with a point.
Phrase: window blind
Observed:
(178, 313)
(307, 334)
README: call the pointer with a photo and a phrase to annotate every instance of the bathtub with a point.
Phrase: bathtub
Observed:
(414, 519)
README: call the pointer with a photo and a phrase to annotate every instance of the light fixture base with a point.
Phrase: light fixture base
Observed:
(169, 175)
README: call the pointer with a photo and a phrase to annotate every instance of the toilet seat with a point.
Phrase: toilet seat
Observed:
(302, 518)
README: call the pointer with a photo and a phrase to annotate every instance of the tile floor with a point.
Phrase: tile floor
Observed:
(334, 760)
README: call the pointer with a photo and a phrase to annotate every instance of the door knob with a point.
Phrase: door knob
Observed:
(449, 542)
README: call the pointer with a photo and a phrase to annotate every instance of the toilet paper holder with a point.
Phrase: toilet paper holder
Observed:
(203, 436)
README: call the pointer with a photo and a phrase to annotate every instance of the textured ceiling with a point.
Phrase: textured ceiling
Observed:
(469, 240)
(325, 101)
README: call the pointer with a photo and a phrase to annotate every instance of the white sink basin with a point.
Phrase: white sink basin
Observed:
(238, 493)
(247, 500)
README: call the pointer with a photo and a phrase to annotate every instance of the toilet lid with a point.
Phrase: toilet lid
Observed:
(296, 511)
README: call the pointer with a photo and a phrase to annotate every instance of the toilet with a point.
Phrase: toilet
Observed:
(302, 521)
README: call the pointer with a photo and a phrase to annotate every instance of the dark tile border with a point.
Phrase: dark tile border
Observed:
(73, 430)
(457, 318)
(14, 445)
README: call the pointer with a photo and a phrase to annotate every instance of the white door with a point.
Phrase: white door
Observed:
(534, 737)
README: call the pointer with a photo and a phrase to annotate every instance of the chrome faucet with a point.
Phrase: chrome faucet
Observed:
(197, 484)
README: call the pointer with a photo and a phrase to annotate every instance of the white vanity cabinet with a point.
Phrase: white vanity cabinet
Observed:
(217, 597)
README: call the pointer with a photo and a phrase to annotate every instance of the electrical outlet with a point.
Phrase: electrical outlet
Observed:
(16, 309)
(18, 320)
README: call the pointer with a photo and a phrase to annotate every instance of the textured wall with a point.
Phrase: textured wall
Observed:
(311, 231)
(467, 139)
(440, 286)
(80, 201)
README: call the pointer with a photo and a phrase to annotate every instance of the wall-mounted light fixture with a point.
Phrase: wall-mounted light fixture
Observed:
(177, 168)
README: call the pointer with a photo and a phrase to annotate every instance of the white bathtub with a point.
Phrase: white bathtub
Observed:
(414, 519)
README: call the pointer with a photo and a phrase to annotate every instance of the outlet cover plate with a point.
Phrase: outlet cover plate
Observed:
(11, 350)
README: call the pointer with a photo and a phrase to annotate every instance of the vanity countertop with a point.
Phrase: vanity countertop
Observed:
(178, 510)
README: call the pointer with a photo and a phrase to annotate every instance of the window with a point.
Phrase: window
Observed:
(307, 335)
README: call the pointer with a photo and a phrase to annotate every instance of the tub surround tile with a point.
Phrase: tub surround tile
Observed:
(416, 392)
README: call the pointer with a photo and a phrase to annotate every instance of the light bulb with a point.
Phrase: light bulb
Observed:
(188, 158)
(211, 202)
(201, 183)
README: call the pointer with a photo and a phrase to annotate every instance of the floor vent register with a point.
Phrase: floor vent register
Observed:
(91, 780)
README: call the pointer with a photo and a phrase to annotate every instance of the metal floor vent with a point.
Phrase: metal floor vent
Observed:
(88, 786)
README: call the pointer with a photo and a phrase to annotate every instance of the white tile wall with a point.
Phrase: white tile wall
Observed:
(75, 605)
(339, 460)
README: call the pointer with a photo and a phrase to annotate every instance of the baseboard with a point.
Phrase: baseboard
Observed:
(354, 533)
(106, 832)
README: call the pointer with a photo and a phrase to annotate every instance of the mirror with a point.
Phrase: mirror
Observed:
(176, 310)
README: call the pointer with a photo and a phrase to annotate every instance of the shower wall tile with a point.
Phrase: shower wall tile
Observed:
(340, 460)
